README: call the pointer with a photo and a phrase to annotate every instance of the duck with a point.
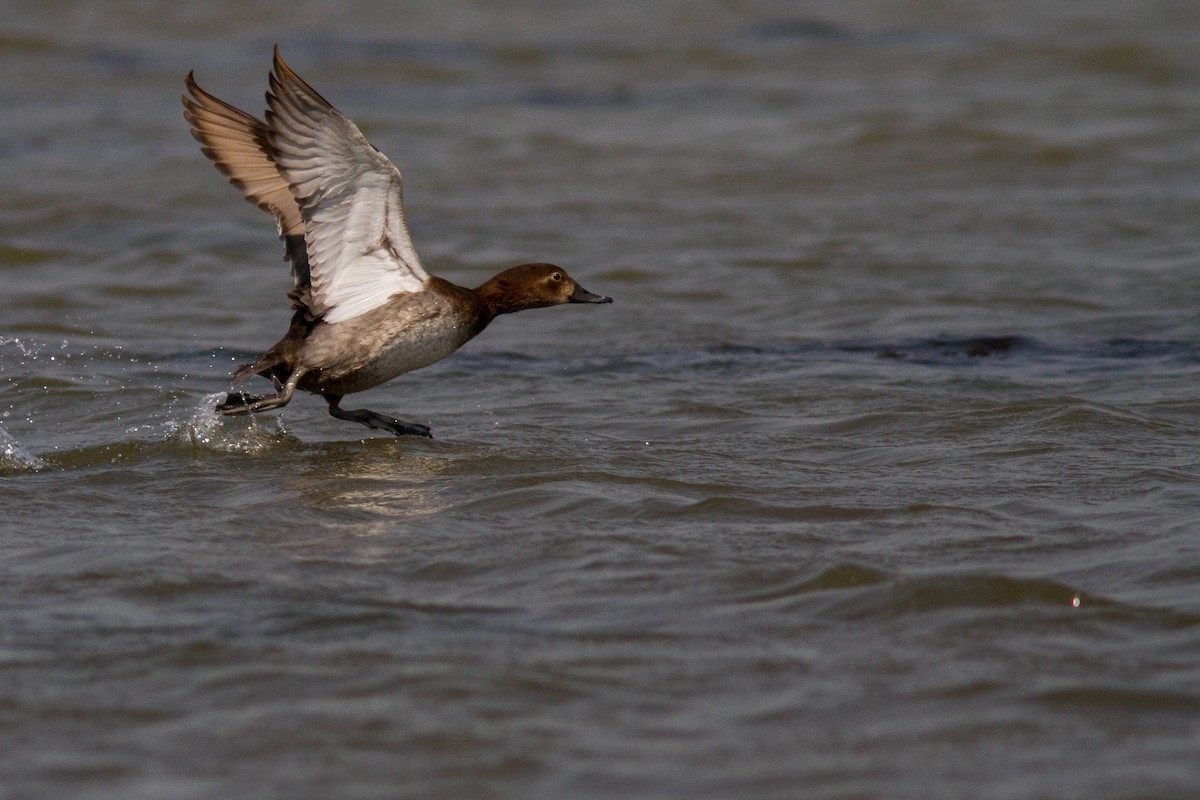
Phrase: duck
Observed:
(364, 310)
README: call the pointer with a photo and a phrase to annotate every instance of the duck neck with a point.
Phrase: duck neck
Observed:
(467, 302)
(500, 296)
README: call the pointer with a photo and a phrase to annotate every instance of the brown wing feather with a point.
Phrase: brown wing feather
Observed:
(237, 143)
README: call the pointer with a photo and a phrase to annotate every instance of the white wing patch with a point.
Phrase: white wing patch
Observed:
(351, 198)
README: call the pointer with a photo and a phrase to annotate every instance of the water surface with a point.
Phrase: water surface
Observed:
(878, 479)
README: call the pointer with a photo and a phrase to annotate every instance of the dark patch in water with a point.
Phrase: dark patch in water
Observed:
(972, 347)
(957, 350)
(801, 28)
(576, 98)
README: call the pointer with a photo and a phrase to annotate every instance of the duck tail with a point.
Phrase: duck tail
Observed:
(278, 363)
(260, 367)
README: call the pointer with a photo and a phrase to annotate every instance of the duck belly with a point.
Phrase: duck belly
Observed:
(365, 351)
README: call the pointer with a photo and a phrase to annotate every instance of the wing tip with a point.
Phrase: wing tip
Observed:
(189, 83)
(286, 85)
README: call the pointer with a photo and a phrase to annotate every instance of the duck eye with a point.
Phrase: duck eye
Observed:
(556, 276)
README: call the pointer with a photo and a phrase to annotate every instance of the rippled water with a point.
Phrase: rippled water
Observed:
(878, 479)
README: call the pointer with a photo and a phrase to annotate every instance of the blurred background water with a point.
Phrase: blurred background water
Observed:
(879, 478)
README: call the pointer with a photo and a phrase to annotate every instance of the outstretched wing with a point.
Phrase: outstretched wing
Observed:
(237, 144)
(350, 199)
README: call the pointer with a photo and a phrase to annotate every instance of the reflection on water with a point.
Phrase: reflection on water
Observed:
(381, 484)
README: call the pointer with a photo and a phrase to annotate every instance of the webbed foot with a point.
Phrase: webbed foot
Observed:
(383, 422)
(377, 421)
(240, 403)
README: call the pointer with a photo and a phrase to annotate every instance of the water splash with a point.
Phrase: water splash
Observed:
(208, 430)
(15, 457)
(23, 347)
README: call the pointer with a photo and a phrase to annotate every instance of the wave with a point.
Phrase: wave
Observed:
(203, 430)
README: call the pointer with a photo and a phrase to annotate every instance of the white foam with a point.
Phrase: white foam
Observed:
(14, 456)
(249, 433)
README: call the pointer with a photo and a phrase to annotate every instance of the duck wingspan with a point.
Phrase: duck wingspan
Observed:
(350, 198)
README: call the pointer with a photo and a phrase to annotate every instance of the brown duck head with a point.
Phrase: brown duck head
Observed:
(534, 286)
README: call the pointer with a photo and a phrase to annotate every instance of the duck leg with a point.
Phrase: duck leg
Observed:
(242, 403)
(373, 420)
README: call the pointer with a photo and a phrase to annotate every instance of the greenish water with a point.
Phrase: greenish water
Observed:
(877, 480)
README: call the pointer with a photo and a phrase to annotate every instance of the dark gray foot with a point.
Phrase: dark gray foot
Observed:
(241, 403)
(377, 421)
(385, 423)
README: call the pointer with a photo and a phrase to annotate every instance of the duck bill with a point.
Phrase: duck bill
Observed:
(582, 295)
